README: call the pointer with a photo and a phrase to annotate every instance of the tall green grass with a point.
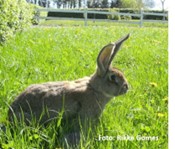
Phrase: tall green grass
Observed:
(67, 53)
(133, 23)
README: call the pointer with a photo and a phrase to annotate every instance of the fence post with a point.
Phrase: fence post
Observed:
(141, 17)
(85, 17)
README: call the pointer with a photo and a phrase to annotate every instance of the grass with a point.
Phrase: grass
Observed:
(134, 23)
(44, 54)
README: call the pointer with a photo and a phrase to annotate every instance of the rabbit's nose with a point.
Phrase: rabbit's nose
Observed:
(125, 86)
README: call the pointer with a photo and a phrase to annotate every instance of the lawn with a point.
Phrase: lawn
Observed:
(42, 54)
(134, 23)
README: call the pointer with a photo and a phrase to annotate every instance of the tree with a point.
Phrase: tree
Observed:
(132, 4)
(149, 3)
(105, 3)
(119, 3)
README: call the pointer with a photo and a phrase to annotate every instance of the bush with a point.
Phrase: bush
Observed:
(35, 14)
(126, 17)
(15, 16)
(154, 17)
(114, 16)
(78, 15)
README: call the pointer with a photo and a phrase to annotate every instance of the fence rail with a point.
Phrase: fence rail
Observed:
(85, 13)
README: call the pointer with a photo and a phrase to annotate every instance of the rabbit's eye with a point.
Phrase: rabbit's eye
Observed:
(114, 79)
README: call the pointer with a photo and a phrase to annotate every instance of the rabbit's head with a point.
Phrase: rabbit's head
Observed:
(109, 80)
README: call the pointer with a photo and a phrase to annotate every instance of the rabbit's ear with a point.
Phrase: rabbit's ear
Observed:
(107, 54)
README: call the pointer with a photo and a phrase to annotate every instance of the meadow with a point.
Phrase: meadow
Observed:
(42, 54)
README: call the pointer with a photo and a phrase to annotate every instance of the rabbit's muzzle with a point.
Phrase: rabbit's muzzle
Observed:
(124, 88)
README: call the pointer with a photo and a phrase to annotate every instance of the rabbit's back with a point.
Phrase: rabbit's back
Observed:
(49, 99)
(40, 98)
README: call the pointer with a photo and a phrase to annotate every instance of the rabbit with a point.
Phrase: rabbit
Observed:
(85, 97)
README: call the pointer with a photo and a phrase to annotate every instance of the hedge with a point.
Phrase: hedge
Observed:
(105, 16)
(15, 15)
(77, 15)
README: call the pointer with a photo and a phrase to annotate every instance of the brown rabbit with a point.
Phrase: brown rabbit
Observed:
(84, 97)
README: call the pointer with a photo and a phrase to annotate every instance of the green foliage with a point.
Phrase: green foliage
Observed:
(131, 4)
(15, 16)
(126, 18)
(67, 53)
(114, 16)
(36, 13)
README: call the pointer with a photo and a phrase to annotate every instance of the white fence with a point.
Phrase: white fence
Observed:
(85, 13)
